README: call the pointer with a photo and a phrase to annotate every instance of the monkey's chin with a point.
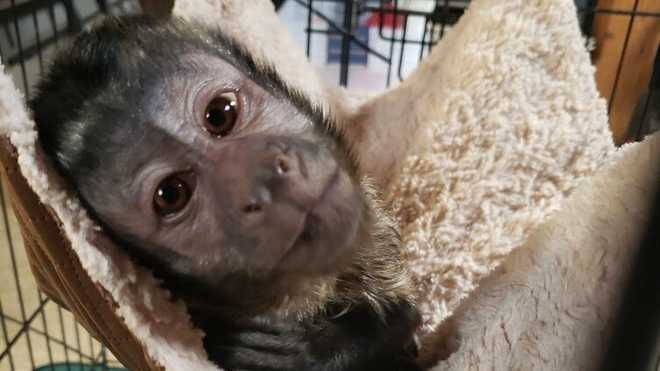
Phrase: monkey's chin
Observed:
(329, 233)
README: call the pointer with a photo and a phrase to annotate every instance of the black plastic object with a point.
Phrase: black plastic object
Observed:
(635, 344)
(278, 3)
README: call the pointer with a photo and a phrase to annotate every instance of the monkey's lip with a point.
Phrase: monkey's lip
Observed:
(305, 233)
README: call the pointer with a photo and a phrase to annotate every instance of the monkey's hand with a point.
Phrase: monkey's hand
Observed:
(355, 341)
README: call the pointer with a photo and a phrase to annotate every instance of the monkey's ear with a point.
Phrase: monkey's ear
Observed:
(161, 9)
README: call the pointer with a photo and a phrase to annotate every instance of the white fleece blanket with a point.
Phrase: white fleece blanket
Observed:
(478, 147)
(512, 122)
(553, 303)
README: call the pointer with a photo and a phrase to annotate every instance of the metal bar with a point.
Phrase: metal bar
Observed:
(5, 334)
(24, 327)
(636, 13)
(409, 12)
(63, 332)
(356, 41)
(395, 14)
(345, 58)
(12, 255)
(99, 356)
(83, 332)
(421, 49)
(22, 9)
(50, 338)
(37, 32)
(445, 18)
(343, 32)
(72, 17)
(44, 323)
(623, 55)
(20, 53)
(91, 346)
(53, 22)
(381, 14)
(403, 48)
(381, 34)
(102, 358)
(103, 5)
(32, 50)
(326, 32)
(308, 45)
(77, 325)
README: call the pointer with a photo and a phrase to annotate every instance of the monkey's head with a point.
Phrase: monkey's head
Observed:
(202, 162)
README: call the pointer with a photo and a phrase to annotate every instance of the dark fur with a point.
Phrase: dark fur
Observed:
(354, 321)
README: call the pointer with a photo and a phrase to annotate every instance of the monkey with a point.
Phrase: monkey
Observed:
(237, 192)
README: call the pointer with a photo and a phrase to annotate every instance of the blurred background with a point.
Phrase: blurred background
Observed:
(365, 45)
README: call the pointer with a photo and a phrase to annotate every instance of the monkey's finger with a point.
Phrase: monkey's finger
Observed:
(281, 344)
(250, 359)
(270, 326)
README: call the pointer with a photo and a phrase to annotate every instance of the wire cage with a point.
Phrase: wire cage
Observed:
(36, 333)
(358, 43)
(394, 35)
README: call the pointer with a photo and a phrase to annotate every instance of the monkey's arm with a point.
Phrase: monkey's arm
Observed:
(356, 341)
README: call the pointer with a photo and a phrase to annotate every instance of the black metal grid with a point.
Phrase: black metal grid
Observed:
(34, 331)
(444, 14)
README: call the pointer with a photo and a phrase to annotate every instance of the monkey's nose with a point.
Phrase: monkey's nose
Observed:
(257, 201)
(287, 165)
(272, 177)
(282, 165)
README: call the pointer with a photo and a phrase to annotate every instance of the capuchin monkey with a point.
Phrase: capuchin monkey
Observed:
(235, 191)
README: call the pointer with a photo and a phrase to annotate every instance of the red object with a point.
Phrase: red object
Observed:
(388, 19)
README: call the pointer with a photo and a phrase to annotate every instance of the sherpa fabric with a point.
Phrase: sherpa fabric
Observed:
(513, 121)
(480, 145)
(553, 303)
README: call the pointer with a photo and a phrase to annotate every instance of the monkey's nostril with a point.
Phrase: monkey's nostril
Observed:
(252, 208)
(257, 202)
(282, 166)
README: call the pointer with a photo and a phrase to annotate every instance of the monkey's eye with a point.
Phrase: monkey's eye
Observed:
(221, 114)
(171, 196)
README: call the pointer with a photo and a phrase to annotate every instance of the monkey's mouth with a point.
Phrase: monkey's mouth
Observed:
(308, 231)
(327, 226)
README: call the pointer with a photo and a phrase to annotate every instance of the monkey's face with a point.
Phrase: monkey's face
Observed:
(225, 175)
